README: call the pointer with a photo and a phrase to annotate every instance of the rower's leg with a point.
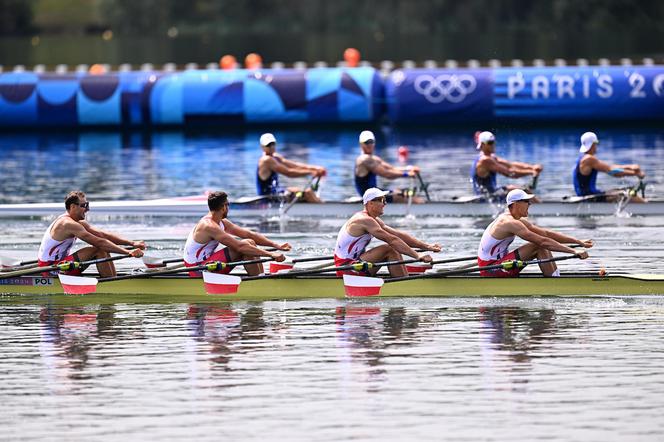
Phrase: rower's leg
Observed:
(251, 269)
(385, 253)
(105, 269)
(311, 197)
(531, 251)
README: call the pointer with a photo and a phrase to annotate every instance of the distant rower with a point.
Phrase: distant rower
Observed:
(214, 230)
(368, 166)
(498, 236)
(587, 166)
(487, 165)
(271, 165)
(356, 234)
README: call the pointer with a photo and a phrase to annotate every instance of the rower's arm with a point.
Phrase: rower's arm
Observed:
(394, 241)
(88, 234)
(386, 170)
(242, 247)
(259, 239)
(538, 236)
(115, 239)
(615, 170)
(313, 169)
(557, 236)
(409, 239)
(294, 171)
(508, 168)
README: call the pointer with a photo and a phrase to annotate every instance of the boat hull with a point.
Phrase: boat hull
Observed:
(180, 289)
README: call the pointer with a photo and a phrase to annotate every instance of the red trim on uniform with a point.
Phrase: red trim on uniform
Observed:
(72, 258)
(500, 273)
(338, 262)
(222, 255)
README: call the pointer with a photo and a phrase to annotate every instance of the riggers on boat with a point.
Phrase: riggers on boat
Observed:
(183, 289)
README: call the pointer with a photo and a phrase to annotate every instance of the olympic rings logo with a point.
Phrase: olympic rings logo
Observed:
(453, 88)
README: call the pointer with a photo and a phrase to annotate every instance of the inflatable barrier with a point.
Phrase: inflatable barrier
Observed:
(176, 98)
(331, 95)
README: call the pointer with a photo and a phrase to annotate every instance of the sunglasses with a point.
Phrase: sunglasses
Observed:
(490, 142)
(381, 200)
(85, 205)
(370, 142)
(272, 144)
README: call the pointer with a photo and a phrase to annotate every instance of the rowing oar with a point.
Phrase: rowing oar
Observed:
(327, 257)
(210, 267)
(507, 265)
(62, 267)
(424, 186)
(313, 184)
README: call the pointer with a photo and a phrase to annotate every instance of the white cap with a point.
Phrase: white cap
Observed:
(518, 195)
(587, 141)
(484, 137)
(373, 193)
(366, 135)
(267, 139)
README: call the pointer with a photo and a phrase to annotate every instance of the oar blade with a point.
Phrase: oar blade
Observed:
(417, 267)
(220, 284)
(7, 262)
(362, 286)
(276, 267)
(78, 285)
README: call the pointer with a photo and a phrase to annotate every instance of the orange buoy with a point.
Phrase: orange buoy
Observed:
(352, 57)
(253, 61)
(97, 69)
(403, 154)
(227, 62)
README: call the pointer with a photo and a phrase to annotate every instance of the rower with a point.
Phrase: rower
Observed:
(487, 165)
(540, 242)
(587, 166)
(215, 229)
(61, 235)
(357, 232)
(368, 166)
(271, 165)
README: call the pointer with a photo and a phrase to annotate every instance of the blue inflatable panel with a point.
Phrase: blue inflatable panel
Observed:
(614, 93)
(439, 95)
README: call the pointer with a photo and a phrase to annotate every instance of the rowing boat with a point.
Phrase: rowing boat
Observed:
(183, 289)
(264, 207)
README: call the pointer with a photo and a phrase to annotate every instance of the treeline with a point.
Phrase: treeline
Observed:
(156, 17)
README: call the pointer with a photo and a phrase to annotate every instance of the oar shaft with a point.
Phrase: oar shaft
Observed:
(323, 258)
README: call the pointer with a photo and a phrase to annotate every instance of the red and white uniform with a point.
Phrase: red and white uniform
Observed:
(495, 251)
(53, 252)
(196, 253)
(349, 248)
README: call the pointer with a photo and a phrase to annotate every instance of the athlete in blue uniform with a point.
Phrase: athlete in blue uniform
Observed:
(271, 165)
(587, 166)
(369, 166)
(487, 165)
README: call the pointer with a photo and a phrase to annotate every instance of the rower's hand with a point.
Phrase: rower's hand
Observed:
(279, 257)
(434, 247)
(426, 258)
(138, 245)
(587, 243)
(537, 169)
(136, 253)
(581, 254)
(319, 172)
(412, 171)
(285, 247)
